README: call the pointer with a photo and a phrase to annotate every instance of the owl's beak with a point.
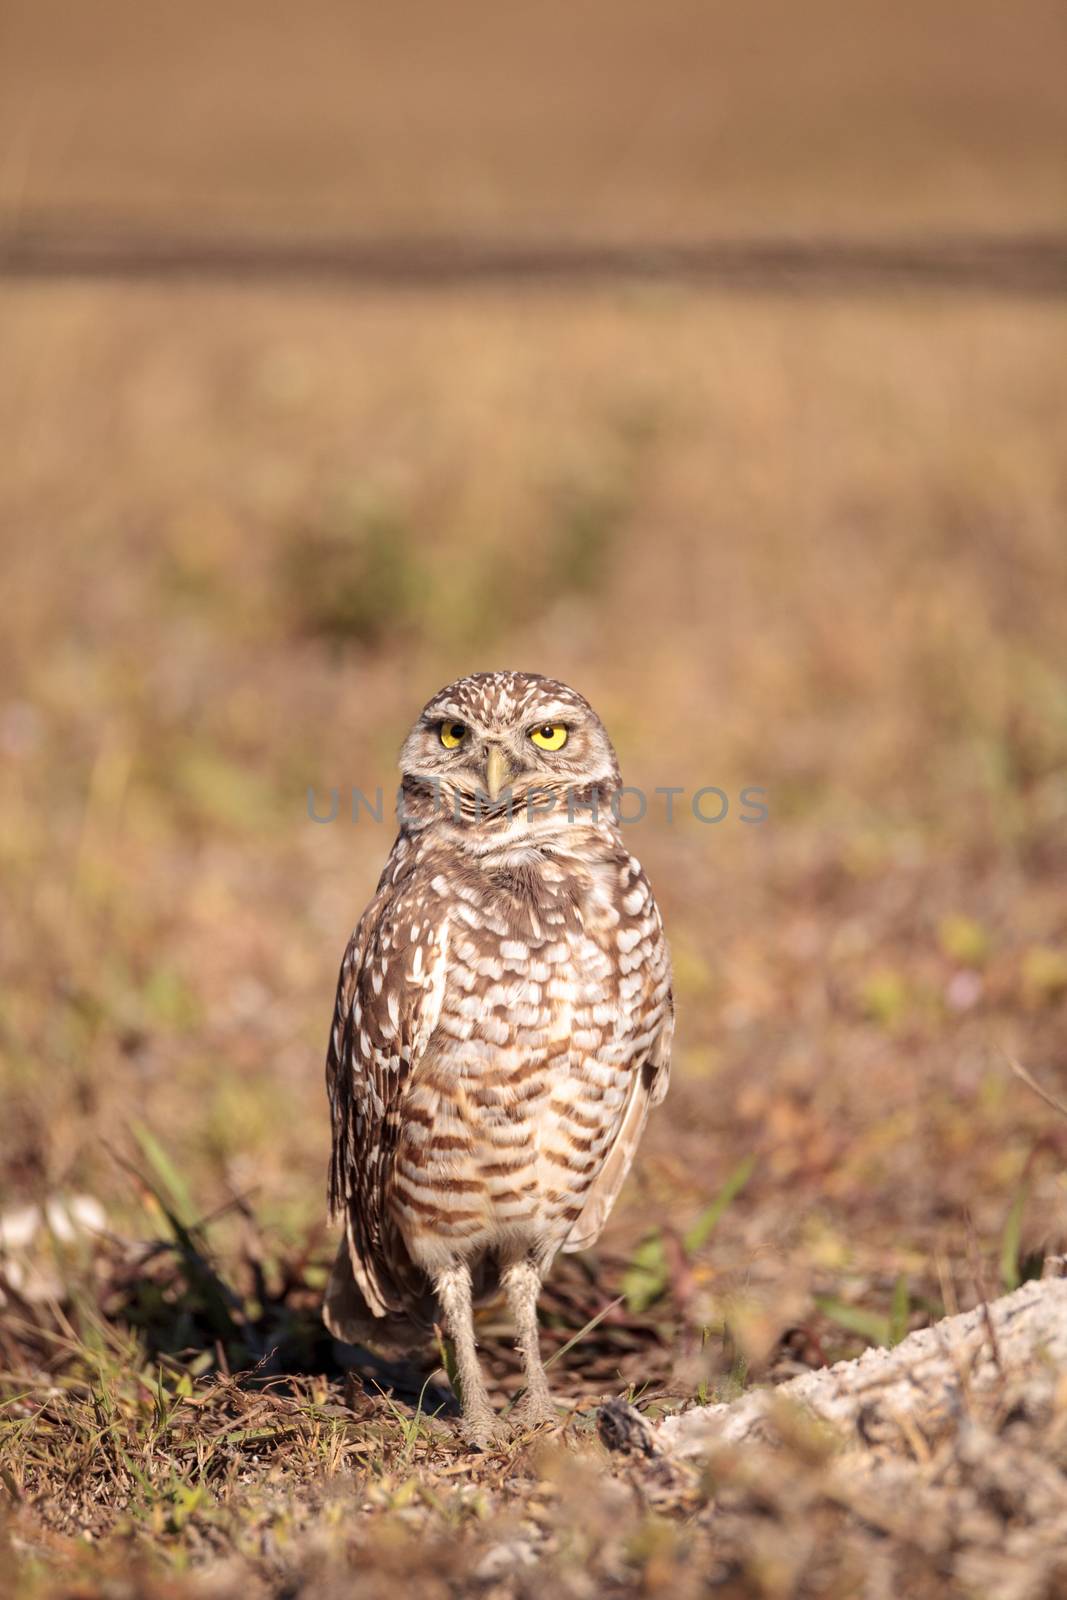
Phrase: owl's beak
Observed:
(497, 771)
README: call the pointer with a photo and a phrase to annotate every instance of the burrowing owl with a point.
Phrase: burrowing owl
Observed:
(503, 1024)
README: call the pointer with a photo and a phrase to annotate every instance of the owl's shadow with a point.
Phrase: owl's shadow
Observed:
(258, 1325)
(407, 1382)
(254, 1316)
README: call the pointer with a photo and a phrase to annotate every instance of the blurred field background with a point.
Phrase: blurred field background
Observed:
(812, 542)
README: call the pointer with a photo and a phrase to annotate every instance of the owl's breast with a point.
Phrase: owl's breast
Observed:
(516, 1100)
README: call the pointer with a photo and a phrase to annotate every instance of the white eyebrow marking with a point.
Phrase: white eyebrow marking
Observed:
(549, 713)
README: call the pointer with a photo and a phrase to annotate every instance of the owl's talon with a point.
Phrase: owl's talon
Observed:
(531, 1414)
(483, 1430)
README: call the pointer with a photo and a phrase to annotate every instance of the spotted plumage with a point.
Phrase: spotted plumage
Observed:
(502, 1027)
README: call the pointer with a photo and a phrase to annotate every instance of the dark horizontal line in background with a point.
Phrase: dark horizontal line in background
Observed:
(1020, 264)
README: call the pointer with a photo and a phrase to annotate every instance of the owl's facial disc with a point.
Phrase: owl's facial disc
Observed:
(504, 736)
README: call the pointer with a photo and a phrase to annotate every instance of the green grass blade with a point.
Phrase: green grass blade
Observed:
(1010, 1244)
(168, 1176)
(703, 1227)
(646, 1276)
(870, 1325)
(899, 1311)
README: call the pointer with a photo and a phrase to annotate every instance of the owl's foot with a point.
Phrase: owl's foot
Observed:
(533, 1411)
(482, 1428)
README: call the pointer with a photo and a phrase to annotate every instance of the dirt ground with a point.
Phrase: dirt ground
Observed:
(814, 545)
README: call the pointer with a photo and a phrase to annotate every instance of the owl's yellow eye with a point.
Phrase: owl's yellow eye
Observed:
(551, 736)
(452, 734)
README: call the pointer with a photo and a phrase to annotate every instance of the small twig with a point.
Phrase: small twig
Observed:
(1032, 1083)
(580, 1335)
(911, 1431)
(983, 1298)
(991, 1332)
(955, 1359)
(948, 1284)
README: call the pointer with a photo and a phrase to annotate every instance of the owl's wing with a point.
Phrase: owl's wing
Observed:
(388, 1004)
(643, 962)
(649, 1085)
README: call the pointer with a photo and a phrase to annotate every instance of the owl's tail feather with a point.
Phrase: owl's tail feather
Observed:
(349, 1318)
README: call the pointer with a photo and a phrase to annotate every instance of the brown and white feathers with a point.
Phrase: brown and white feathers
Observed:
(503, 1017)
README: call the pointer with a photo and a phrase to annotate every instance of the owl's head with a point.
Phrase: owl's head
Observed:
(508, 731)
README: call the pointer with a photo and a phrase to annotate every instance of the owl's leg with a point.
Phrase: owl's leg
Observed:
(481, 1425)
(522, 1285)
